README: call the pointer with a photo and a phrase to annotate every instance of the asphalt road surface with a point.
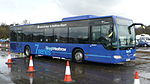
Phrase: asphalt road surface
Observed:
(51, 71)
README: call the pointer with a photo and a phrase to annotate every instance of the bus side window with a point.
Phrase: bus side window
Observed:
(19, 36)
(60, 35)
(49, 37)
(95, 34)
(78, 34)
(101, 34)
(13, 35)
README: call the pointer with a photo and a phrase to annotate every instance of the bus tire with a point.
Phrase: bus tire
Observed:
(27, 51)
(78, 56)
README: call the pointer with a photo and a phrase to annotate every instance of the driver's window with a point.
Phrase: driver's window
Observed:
(100, 34)
(96, 31)
(105, 30)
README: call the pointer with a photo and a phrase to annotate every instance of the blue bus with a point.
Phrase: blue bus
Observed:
(104, 39)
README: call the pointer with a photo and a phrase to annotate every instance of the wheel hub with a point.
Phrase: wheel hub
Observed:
(78, 56)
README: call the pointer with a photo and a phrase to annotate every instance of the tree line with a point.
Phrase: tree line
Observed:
(5, 30)
(143, 31)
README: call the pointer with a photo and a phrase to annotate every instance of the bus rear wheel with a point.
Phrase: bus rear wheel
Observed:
(27, 51)
(78, 56)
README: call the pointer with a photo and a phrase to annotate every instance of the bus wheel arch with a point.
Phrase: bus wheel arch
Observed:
(78, 55)
(27, 50)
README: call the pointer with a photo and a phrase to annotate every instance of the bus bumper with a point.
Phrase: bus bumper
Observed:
(123, 60)
(110, 60)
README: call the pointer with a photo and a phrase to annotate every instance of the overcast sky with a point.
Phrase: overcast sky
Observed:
(15, 11)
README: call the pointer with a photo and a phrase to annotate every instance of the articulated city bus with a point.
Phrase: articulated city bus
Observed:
(104, 39)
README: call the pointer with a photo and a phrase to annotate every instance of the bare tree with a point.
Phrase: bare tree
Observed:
(25, 21)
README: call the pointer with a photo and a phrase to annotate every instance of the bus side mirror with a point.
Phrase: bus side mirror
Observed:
(134, 24)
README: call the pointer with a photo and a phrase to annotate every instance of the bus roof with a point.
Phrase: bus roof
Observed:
(83, 17)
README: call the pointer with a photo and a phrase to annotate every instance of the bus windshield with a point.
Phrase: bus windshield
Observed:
(126, 39)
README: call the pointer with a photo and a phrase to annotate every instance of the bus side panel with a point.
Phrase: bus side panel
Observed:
(16, 47)
(97, 53)
(51, 49)
(55, 49)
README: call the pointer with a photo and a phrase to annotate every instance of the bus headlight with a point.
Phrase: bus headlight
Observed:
(117, 56)
(134, 54)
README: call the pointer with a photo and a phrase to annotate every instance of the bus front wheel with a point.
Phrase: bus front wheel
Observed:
(27, 51)
(78, 56)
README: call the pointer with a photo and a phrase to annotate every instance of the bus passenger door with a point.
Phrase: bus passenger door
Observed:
(95, 52)
(97, 48)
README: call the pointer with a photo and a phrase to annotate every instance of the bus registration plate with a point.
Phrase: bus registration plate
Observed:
(127, 59)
